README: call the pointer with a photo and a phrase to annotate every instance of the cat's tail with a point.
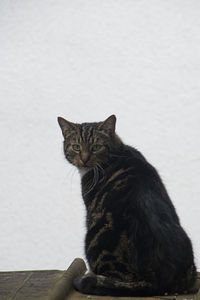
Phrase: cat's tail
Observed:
(102, 285)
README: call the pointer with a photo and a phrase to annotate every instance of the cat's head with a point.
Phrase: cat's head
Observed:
(87, 145)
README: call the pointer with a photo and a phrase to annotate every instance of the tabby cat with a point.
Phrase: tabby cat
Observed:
(134, 243)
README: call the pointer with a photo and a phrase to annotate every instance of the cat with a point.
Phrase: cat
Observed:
(134, 245)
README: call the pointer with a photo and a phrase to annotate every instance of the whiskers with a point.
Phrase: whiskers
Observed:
(101, 172)
(70, 176)
(99, 176)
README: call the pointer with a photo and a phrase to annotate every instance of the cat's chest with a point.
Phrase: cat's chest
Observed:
(107, 191)
(91, 183)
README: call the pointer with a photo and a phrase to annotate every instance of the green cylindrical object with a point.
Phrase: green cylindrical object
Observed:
(64, 284)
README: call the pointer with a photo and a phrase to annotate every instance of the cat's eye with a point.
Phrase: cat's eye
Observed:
(96, 147)
(76, 147)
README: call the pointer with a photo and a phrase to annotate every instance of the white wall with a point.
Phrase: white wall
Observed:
(85, 60)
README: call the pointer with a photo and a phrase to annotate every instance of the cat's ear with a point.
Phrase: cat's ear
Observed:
(66, 126)
(109, 124)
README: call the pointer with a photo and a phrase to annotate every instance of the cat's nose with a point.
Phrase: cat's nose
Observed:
(84, 157)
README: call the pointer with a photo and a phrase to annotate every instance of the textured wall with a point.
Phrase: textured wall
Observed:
(85, 60)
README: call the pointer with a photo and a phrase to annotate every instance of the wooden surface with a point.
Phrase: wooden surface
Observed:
(27, 284)
(57, 285)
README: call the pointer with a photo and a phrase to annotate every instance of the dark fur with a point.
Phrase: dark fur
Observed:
(134, 244)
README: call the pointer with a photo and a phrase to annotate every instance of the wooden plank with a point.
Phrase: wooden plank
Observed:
(58, 285)
(27, 284)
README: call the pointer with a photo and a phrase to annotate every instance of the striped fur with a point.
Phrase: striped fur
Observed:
(134, 243)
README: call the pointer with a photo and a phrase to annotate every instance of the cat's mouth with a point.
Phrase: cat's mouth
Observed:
(87, 164)
(83, 170)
